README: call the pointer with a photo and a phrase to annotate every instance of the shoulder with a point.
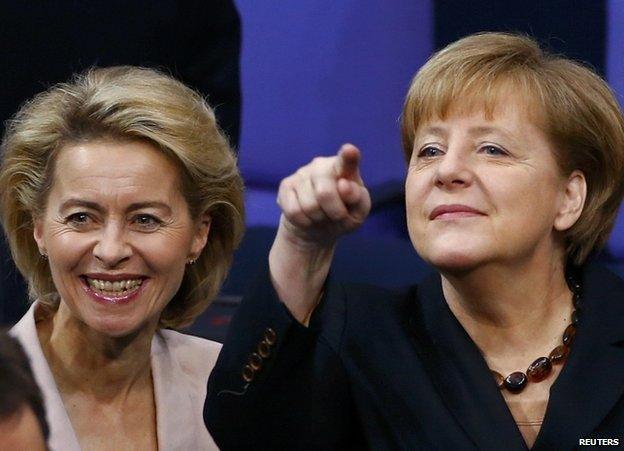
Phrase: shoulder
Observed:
(602, 293)
(596, 274)
(601, 287)
(25, 330)
(195, 355)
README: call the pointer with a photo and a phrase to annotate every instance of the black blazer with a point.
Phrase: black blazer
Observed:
(396, 370)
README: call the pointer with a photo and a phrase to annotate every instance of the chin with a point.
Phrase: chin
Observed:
(114, 328)
(456, 263)
(451, 258)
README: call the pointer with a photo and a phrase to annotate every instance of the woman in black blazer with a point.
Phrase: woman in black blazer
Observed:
(515, 173)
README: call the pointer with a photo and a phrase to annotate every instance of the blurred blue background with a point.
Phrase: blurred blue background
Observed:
(317, 73)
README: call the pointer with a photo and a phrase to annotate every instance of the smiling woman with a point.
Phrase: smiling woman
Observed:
(117, 238)
(122, 205)
(501, 172)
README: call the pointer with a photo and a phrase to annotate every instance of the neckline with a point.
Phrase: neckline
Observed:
(592, 380)
(464, 372)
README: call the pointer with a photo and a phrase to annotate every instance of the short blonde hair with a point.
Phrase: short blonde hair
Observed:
(124, 103)
(572, 105)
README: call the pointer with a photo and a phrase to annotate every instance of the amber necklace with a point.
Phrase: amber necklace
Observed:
(542, 367)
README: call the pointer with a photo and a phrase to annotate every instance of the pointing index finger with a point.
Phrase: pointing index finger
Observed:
(348, 161)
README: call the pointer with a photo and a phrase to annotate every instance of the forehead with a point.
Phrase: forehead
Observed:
(111, 168)
(501, 103)
(502, 97)
(507, 119)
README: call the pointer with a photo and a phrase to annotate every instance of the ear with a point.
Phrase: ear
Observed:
(38, 235)
(202, 229)
(573, 200)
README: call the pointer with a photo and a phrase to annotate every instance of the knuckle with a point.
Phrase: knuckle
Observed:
(342, 214)
(324, 192)
(300, 220)
(286, 183)
(337, 215)
(292, 211)
(309, 208)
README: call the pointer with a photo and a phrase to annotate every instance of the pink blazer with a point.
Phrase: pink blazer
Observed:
(181, 365)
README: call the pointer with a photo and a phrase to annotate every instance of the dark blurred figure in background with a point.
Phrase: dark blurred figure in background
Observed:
(22, 413)
(45, 42)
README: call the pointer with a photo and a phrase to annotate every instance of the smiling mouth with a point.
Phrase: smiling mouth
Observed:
(119, 288)
(454, 211)
(456, 214)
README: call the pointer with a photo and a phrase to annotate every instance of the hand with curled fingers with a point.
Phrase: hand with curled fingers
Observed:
(320, 202)
(324, 199)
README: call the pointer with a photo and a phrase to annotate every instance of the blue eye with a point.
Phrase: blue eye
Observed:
(429, 152)
(493, 150)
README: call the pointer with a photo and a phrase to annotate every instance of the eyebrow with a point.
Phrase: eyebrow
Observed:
(73, 202)
(433, 130)
(480, 130)
(488, 129)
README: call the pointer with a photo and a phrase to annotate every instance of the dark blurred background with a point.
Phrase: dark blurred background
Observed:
(313, 74)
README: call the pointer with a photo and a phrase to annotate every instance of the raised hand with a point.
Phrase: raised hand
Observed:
(320, 202)
(324, 199)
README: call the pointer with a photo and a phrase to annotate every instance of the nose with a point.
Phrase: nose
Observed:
(454, 169)
(112, 247)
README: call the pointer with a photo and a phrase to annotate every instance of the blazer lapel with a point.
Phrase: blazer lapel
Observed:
(174, 407)
(592, 380)
(459, 372)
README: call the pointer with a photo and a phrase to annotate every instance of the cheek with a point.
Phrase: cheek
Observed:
(531, 202)
(67, 249)
(164, 252)
(415, 196)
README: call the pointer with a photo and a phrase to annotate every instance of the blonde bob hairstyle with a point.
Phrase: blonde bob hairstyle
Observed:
(124, 104)
(569, 102)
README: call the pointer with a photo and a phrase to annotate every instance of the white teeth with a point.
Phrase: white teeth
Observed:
(112, 288)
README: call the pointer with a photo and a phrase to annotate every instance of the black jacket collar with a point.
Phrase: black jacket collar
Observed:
(592, 380)
(589, 385)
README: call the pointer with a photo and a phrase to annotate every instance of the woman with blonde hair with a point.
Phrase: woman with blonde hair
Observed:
(515, 171)
(122, 205)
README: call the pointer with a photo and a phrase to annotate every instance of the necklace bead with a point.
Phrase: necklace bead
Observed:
(516, 382)
(498, 377)
(558, 354)
(576, 299)
(541, 368)
(568, 335)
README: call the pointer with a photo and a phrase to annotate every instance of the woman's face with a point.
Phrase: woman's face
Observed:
(118, 234)
(488, 190)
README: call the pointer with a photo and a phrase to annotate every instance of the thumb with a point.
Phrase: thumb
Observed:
(356, 197)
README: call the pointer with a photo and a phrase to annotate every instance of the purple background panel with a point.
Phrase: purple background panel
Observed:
(615, 76)
(317, 73)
